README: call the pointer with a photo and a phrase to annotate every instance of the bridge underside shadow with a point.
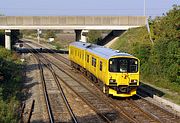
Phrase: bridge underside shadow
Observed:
(111, 36)
(41, 50)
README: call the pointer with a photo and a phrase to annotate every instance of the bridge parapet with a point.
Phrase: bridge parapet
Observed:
(72, 20)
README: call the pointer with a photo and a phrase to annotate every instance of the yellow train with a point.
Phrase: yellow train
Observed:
(118, 72)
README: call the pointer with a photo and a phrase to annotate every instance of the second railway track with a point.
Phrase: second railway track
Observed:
(57, 105)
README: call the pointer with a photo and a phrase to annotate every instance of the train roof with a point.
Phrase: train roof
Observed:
(104, 52)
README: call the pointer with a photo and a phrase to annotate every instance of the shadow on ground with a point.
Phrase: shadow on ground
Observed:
(40, 50)
(146, 90)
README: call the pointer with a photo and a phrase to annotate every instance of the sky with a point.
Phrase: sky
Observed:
(85, 7)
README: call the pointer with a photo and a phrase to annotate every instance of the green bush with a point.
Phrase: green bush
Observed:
(94, 36)
(161, 60)
(10, 86)
(142, 51)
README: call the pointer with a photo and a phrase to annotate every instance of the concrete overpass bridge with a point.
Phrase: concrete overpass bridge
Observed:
(77, 23)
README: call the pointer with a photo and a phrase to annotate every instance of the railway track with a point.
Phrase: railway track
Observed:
(130, 108)
(57, 105)
(48, 107)
(157, 111)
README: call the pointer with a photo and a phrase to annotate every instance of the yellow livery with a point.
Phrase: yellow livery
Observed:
(117, 72)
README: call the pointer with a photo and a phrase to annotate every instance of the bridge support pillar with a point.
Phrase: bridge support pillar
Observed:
(78, 35)
(84, 35)
(81, 35)
(8, 39)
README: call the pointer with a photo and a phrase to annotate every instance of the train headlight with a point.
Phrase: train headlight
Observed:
(112, 80)
(134, 81)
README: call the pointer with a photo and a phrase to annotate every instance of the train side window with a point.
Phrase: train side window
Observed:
(93, 62)
(87, 58)
(100, 67)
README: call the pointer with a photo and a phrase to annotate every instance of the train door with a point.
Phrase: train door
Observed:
(83, 58)
(87, 62)
(100, 69)
(93, 65)
(105, 71)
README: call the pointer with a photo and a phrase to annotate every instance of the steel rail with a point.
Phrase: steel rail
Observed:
(59, 87)
(50, 114)
(62, 92)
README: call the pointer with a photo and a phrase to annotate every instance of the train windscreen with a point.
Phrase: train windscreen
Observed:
(123, 65)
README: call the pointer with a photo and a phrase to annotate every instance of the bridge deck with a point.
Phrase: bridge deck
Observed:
(71, 22)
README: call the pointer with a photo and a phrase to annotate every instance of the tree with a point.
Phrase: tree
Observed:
(166, 51)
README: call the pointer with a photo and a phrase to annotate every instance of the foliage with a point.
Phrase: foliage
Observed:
(10, 69)
(32, 33)
(166, 51)
(94, 36)
(50, 34)
(160, 61)
(57, 45)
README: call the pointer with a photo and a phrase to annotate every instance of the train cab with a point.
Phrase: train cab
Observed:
(123, 76)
